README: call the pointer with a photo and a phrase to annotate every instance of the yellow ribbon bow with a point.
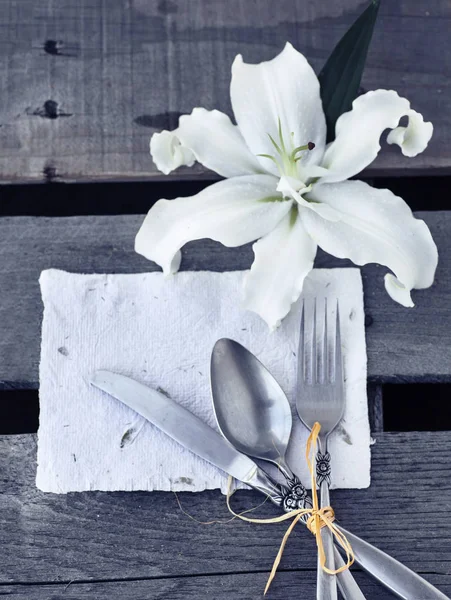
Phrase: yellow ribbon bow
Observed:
(319, 518)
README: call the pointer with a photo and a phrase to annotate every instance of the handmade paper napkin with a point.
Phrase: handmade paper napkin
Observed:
(161, 331)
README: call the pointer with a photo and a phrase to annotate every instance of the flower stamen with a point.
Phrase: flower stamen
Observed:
(308, 146)
(286, 163)
(278, 165)
(282, 143)
(276, 146)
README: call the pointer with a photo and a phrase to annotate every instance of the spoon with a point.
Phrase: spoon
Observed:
(254, 415)
(251, 408)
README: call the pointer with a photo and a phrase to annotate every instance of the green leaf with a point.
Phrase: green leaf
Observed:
(341, 75)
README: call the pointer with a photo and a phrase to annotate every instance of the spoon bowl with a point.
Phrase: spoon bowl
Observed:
(251, 408)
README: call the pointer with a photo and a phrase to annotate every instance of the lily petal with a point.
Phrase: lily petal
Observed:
(358, 132)
(283, 259)
(234, 212)
(283, 89)
(209, 137)
(312, 172)
(414, 138)
(168, 153)
(376, 227)
(397, 291)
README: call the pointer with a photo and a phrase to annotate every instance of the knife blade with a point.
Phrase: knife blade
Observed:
(186, 429)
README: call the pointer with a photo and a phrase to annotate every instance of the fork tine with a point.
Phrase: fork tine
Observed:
(301, 376)
(338, 366)
(314, 355)
(324, 356)
(320, 389)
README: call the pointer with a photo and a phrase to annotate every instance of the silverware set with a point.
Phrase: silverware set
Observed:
(254, 417)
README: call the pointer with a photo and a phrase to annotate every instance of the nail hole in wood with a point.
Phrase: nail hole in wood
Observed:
(53, 47)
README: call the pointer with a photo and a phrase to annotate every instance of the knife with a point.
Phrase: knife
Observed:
(189, 431)
(192, 433)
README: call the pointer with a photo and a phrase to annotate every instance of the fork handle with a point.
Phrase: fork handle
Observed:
(326, 585)
(300, 499)
(346, 582)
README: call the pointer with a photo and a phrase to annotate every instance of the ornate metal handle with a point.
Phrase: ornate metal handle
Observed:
(323, 468)
(289, 497)
(296, 496)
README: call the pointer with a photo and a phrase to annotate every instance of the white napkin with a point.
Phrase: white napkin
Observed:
(161, 331)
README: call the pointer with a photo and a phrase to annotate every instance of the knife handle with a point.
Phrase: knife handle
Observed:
(395, 576)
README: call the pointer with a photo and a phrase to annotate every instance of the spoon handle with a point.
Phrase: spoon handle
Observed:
(263, 482)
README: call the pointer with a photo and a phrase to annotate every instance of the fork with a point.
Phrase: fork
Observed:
(320, 397)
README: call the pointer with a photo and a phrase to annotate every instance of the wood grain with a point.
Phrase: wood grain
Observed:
(86, 84)
(97, 537)
(249, 586)
(403, 344)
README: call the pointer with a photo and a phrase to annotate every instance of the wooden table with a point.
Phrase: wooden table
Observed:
(86, 85)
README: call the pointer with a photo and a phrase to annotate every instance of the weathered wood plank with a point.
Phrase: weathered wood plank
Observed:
(297, 584)
(403, 344)
(86, 84)
(103, 536)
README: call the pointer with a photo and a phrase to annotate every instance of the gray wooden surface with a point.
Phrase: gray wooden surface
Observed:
(86, 83)
(84, 86)
(249, 586)
(140, 545)
(403, 344)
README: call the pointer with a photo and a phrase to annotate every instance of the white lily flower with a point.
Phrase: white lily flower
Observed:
(287, 189)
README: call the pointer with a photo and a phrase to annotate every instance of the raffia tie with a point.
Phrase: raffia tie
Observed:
(318, 518)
